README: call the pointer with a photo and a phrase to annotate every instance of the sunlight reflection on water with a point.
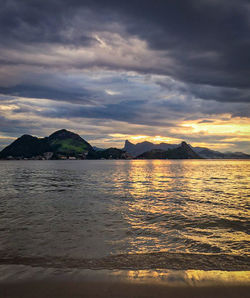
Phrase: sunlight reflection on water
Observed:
(98, 208)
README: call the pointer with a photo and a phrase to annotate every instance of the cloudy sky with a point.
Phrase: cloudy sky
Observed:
(156, 70)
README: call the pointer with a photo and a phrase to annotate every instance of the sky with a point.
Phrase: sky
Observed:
(158, 70)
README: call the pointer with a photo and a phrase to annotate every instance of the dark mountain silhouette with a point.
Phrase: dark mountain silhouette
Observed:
(235, 155)
(26, 146)
(66, 144)
(212, 154)
(61, 142)
(184, 151)
(153, 154)
(137, 149)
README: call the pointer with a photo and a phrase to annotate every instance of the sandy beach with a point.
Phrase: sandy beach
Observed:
(19, 281)
(66, 289)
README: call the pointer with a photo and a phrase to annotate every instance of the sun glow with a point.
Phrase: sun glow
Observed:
(142, 138)
(238, 126)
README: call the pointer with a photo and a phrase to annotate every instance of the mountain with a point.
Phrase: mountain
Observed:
(153, 154)
(212, 154)
(26, 146)
(139, 148)
(60, 143)
(208, 153)
(184, 151)
(236, 155)
(67, 143)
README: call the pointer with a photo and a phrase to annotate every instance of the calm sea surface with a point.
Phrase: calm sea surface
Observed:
(94, 209)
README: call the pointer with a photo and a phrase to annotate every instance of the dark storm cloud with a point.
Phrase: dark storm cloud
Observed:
(32, 91)
(130, 111)
(209, 41)
(123, 111)
(13, 127)
(221, 94)
(39, 21)
(126, 111)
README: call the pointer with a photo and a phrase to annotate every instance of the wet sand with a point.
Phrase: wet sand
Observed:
(66, 289)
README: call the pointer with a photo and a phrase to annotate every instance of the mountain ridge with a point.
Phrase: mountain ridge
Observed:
(64, 144)
(184, 151)
(139, 148)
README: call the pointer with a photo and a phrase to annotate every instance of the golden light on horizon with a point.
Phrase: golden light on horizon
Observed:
(217, 134)
(155, 139)
(236, 126)
(213, 146)
(142, 138)
(7, 137)
(138, 137)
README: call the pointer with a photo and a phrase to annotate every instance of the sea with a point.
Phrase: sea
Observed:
(76, 217)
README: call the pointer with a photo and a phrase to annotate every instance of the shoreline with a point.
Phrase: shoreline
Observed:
(66, 289)
(115, 290)
(24, 273)
(19, 281)
(139, 261)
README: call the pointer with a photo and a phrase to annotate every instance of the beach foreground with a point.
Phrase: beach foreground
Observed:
(19, 281)
(66, 289)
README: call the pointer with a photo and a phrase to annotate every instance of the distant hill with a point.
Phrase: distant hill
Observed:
(138, 149)
(184, 151)
(212, 154)
(60, 143)
(208, 153)
(239, 155)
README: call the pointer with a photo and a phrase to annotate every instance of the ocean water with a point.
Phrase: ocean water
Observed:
(125, 214)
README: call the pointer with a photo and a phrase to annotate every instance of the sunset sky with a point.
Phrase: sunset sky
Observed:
(161, 71)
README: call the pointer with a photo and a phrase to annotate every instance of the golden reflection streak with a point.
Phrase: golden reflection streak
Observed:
(186, 277)
(163, 188)
(150, 181)
(216, 276)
